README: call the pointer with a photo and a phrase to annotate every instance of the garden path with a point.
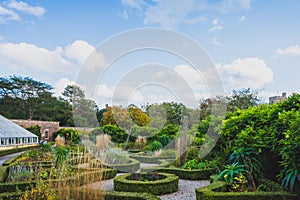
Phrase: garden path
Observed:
(186, 188)
(4, 158)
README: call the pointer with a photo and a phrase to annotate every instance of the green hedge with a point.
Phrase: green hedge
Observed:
(163, 186)
(199, 174)
(217, 191)
(16, 150)
(132, 166)
(150, 159)
(108, 195)
(83, 178)
(161, 164)
(3, 173)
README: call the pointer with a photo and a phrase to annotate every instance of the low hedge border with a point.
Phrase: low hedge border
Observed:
(3, 173)
(133, 166)
(164, 186)
(161, 164)
(217, 191)
(16, 150)
(150, 159)
(108, 195)
(83, 178)
(199, 174)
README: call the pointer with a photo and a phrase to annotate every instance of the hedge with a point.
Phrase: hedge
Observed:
(163, 186)
(3, 173)
(161, 164)
(16, 150)
(150, 159)
(108, 195)
(132, 166)
(198, 174)
(83, 178)
(217, 191)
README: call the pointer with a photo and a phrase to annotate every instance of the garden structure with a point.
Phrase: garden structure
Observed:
(13, 135)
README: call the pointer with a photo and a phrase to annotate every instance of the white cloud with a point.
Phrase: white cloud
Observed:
(79, 50)
(61, 84)
(7, 15)
(216, 25)
(172, 13)
(21, 6)
(12, 10)
(133, 3)
(215, 41)
(104, 91)
(30, 57)
(20, 57)
(242, 18)
(289, 51)
(248, 72)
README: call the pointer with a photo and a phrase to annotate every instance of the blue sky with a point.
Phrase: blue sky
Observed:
(254, 43)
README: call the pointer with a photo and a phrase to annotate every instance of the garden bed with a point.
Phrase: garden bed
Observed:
(132, 166)
(168, 183)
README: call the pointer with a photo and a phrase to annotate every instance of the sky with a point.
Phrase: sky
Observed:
(252, 43)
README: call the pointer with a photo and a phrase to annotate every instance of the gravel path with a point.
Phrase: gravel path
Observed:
(186, 188)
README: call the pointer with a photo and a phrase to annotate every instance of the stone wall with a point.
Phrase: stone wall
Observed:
(47, 127)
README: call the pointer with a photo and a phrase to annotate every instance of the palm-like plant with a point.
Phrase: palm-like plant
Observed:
(291, 178)
(61, 155)
(232, 171)
(248, 158)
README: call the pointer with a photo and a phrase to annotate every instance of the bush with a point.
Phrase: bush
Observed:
(167, 185)
(71, 135)
(132, 166)
(155, 145)
(199, 174)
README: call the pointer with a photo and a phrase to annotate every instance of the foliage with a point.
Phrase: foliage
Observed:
(291, 179)
(274, 128)
(232, 171)
(117, 134)
(248, 158)
(41, 191)
(61, 154)
(35, 130)
(70, 135)
(25, 98)
(156, 145)
(196, 164)
(164, 139)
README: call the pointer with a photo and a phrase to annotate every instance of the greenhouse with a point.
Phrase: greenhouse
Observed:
(11, 134)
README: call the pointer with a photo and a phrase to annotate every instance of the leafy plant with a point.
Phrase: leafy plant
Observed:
(248, 158)
(232, 171)
(156, 145)
(291, 179)
(61, 154)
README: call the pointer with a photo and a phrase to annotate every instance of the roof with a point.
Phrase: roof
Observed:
(9, 129)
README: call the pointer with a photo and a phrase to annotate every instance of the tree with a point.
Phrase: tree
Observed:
(22, 96)
(84, 110)
(242, 99)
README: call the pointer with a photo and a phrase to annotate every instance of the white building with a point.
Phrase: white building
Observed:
(13, 135)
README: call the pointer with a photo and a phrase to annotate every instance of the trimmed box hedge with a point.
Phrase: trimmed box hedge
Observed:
(3, 173)
(167, 185)
(16, 150)
(161, 164)
(132, 166)
(217, 191)
(199, 174)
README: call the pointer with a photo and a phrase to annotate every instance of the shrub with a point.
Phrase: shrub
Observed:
(155, 145)
(167, 185)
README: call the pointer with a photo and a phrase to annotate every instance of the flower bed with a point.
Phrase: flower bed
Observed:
(166, 184)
